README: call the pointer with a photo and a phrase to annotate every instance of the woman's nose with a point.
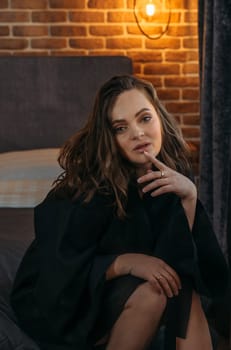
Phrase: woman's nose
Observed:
(137, 133)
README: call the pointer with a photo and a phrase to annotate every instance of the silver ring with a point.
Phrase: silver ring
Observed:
(159, 277)
(162, 174)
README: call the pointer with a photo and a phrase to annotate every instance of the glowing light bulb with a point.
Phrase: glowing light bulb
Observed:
(150, 9)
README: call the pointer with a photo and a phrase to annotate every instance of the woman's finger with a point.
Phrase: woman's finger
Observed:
(150, 176)
(166, 286)
(173, 273)
(160, 165)
(156, 285)
(155, 184)
(162, 190)
(172, 283)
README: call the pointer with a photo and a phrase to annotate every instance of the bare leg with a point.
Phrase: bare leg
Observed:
(198, 336)
(139, 320)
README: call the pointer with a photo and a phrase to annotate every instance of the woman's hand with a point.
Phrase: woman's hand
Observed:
(154, 270)
(166, 180)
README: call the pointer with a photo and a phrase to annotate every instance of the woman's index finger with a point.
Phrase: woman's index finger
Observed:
(155, 161)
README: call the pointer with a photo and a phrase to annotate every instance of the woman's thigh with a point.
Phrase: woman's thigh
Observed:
(198, 335)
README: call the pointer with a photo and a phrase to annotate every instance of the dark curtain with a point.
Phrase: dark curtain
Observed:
(215, 79)
(215, 153)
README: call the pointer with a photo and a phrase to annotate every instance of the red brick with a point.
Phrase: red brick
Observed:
(123, 43)
(133, 29)
(105, 4)
(181, 56)
(183, 107)
(183, 30)
(191, 132)
(146, 56)
(156, 81)
(149, 30)
(190, 68)
(192, 119)
(30, 53)
(86, 16)
(163, 43)
(185, 4)
(48, 16)
(124, 17)
(181, 81)
(28, 4)
(4, 30)
(68, 30)
(68, 53)
(67, 4)
(106, 30)
(168, 94)
(190, 43)
(159, 69)
(191, 17)
(137, 68)
(87, 43)
(30, 30)
(14, 16)
(106, 53)
(4, 4)
(191, 94)
(48, 43)
(13, 44)
(130, 4)
(175, 17)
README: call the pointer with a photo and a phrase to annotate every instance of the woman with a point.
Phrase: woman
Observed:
(122, 243)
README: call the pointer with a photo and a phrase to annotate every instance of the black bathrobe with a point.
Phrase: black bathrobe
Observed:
(60, 294)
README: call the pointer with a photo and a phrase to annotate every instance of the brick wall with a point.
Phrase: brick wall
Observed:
(107, 27)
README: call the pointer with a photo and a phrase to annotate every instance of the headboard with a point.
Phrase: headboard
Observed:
(44, 100)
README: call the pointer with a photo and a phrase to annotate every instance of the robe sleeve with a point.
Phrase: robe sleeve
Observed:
(67, 237)
(195, 254)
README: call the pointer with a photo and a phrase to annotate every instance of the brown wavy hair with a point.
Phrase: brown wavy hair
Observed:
(91, 159)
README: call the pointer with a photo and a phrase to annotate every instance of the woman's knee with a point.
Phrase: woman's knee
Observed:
(147, 298)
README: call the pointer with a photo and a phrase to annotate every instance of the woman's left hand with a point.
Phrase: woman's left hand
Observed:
(166, 180)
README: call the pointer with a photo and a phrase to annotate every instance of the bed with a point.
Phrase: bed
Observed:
(43, 100)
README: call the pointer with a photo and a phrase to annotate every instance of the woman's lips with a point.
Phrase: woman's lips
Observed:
(141, 148)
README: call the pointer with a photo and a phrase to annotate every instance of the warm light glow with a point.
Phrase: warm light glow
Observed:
(150, 9)
(152, 17)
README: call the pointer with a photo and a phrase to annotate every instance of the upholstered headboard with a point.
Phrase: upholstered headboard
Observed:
(43, 100)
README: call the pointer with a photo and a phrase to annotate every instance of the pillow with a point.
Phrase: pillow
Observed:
(27, 176)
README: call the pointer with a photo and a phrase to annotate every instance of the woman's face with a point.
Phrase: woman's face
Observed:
(137, 127)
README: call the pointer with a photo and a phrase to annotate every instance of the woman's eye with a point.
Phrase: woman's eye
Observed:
(146, 118)
(119, 129)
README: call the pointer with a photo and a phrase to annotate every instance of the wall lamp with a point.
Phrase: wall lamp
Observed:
(152, 17)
